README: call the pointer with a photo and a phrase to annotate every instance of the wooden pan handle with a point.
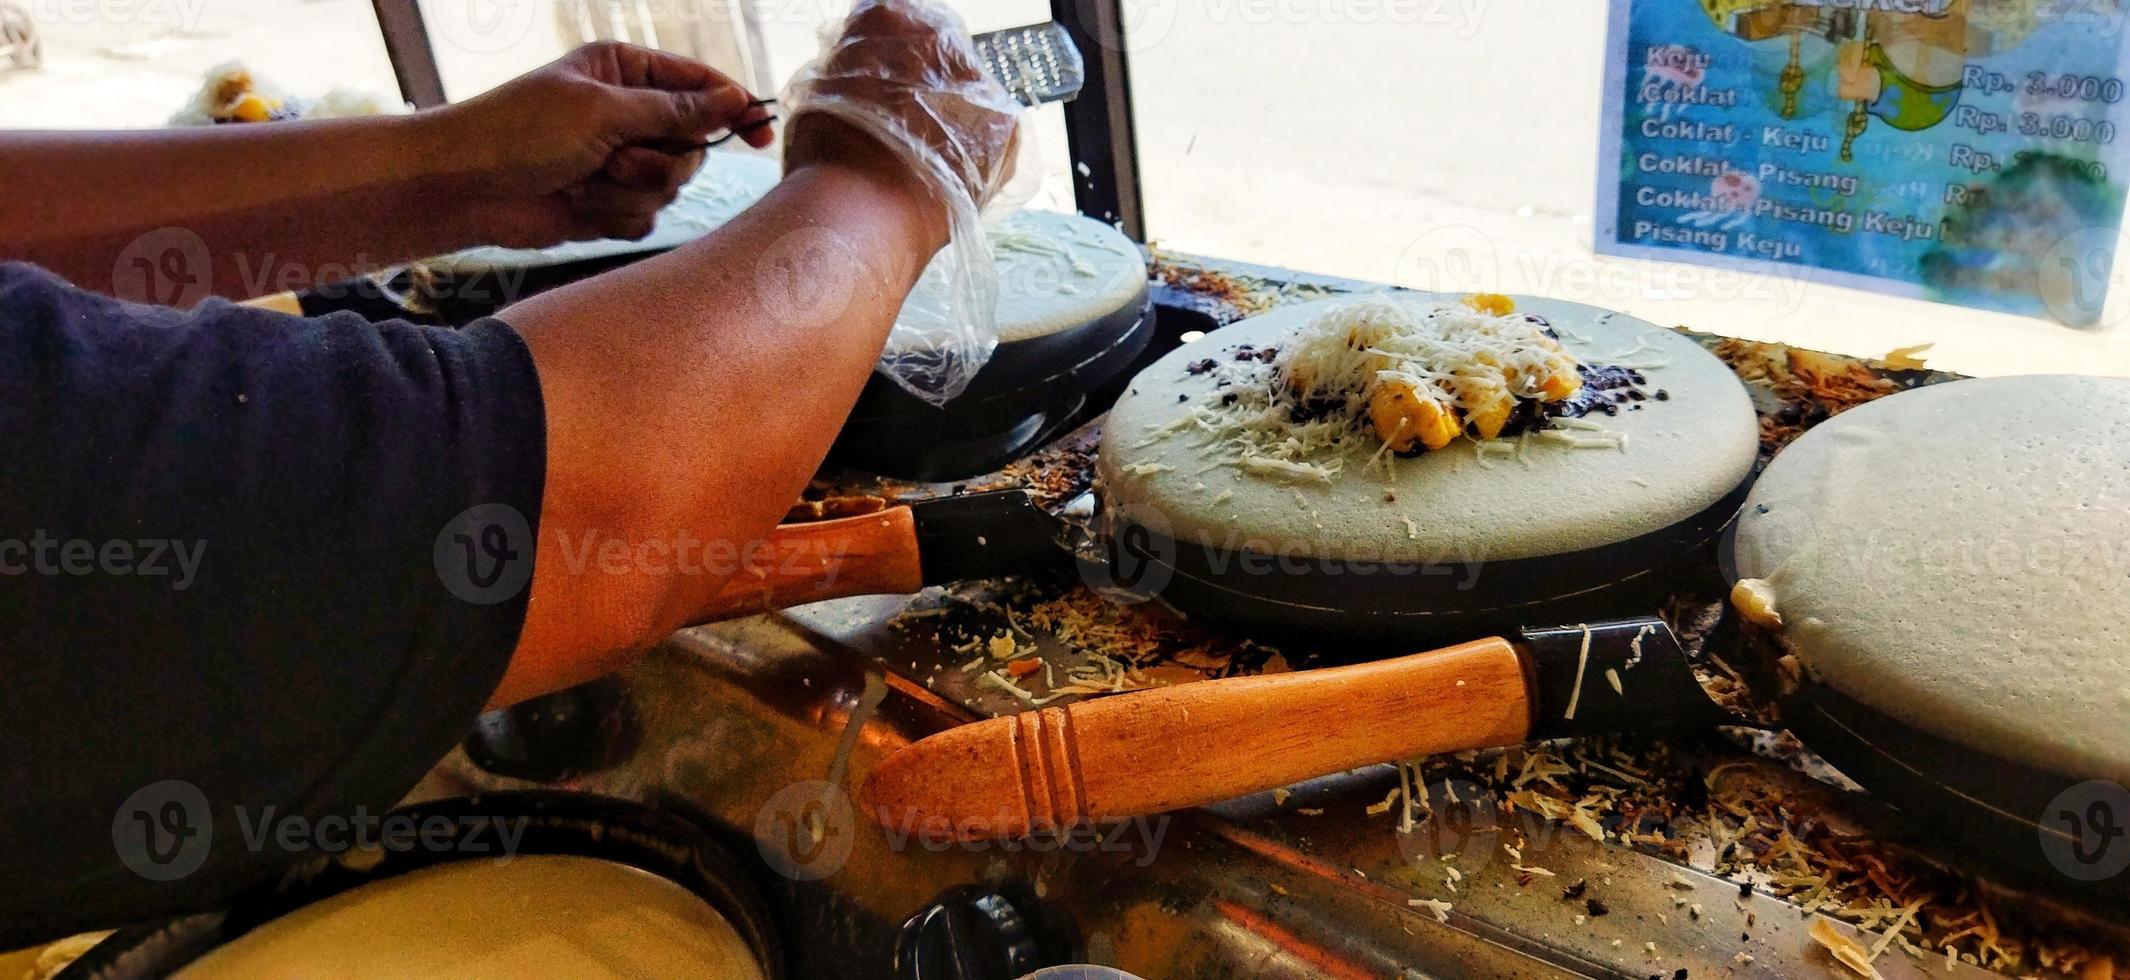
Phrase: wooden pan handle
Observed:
(1198, 743)
(870, 554)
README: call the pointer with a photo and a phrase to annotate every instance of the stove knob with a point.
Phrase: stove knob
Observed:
(968, 933)
(555, 736)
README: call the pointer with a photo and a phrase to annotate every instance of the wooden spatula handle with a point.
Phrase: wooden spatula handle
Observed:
(870, 554)
(1165, 749)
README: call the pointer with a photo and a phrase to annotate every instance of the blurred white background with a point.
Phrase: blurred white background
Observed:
(1430, 143)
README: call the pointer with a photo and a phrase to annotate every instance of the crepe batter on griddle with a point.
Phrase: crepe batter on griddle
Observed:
(530, 915)
(1956, 557)
(727, 184)
(1056, 272)
(1685, 450)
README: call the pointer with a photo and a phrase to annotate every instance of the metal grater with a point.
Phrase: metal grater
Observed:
(1037, 63)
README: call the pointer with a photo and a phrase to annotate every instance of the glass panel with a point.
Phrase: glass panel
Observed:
(480, 44)
(134, 63)
(1453, 144)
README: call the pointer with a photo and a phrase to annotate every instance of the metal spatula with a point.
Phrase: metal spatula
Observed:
(1037, 63)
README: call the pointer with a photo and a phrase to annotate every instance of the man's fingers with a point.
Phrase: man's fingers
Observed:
(655, 95)
(605, 209)
(637, 67)
(658, 69)
(645, 169)
(656, 114)
(750, 126)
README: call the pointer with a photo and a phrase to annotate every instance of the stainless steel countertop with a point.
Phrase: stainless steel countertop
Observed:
(741, 721)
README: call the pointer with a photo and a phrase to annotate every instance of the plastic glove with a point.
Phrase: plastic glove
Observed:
(906, 74)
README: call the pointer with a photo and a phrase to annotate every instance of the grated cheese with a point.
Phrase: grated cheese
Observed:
(1582, 663)
(1389, 800)
(1908, 915)
(1581, 820)
(1297, 418)
(1609, 440)
(1845, 950)
(1288, 469)
(1440, 908)
(992, 678)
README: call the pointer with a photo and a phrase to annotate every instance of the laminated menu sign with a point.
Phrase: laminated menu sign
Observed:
(1966, 151)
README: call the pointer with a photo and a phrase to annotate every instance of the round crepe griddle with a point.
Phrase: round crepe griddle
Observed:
(644, 857)
(1074, 312)
(1954, 556)
(1058, 272)
(1942, 562)
(1489, 544)
(550, 915)
(1068, 285)
(464, 286)
(727, 183)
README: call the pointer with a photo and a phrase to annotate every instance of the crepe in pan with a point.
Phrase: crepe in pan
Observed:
(1958, 558)
(1692, 441)
(727, 184)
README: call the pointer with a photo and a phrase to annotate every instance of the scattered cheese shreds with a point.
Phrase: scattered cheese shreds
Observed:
(1908, 915)
(1389, 800)
(1846, 951)
(1287, 469)
(1440, 908)
(1379, 375)
(1582, 663)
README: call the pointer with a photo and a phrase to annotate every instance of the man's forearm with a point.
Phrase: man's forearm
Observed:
(230, 210)
(694, 394)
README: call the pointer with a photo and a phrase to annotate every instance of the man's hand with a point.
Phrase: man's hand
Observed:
(906, 78)
(558, 153)
(711, 404)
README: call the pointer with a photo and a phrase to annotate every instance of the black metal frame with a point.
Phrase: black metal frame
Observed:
(1098, 124)
(413, 59)
(1099, 132)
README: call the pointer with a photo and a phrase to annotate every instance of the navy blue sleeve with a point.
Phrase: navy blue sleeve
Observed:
(254, 568)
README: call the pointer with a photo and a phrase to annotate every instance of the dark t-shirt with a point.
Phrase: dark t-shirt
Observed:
(239, 585)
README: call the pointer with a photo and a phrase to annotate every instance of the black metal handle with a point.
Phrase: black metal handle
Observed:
(1618, 676)
(986, 535)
